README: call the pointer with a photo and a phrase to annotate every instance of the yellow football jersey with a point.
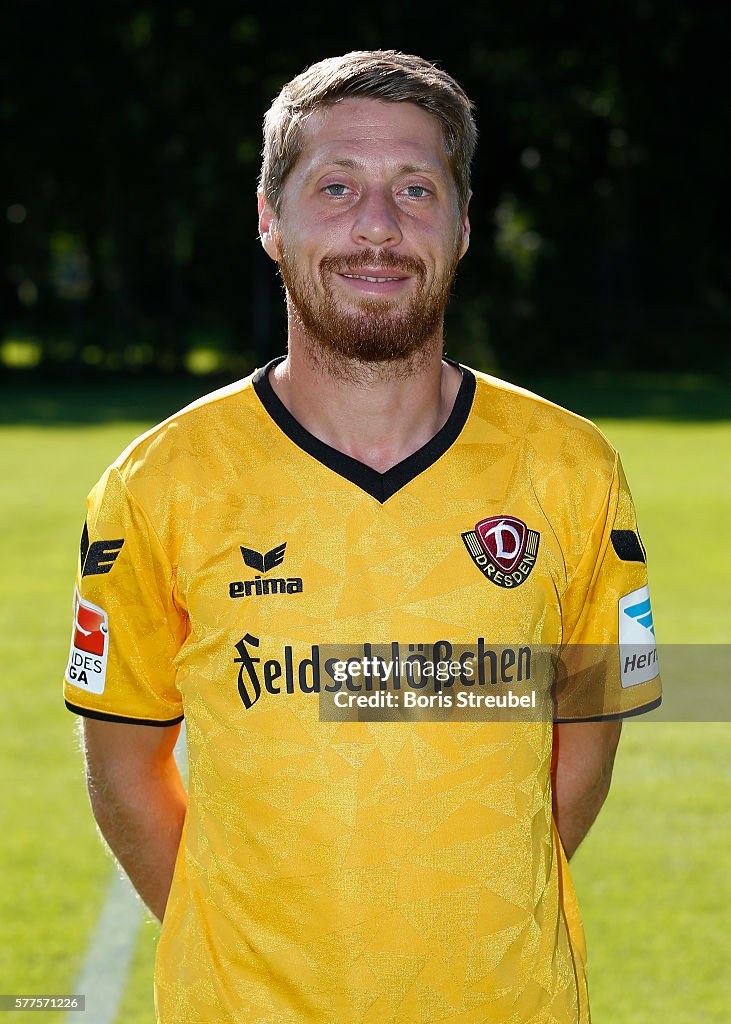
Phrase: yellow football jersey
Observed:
(340, 866)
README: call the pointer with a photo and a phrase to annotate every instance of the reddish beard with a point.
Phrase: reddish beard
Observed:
(369, 330)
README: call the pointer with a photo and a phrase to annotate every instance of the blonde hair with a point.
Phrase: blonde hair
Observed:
(385, 75)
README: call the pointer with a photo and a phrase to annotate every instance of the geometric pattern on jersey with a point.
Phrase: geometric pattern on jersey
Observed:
(358, 872)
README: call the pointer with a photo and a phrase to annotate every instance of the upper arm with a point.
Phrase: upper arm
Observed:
(608, 661)
(128, 625)
(585, 750)
(117, 752)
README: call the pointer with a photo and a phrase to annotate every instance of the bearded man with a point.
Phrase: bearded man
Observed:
(319, 567)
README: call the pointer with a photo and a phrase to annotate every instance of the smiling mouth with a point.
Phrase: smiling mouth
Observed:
(373, 280)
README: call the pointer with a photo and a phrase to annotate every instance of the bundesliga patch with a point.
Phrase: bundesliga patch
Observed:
(87, 667)
(637, 649)
(503, 549)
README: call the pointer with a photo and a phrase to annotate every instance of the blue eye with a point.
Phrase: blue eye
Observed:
(417, 191)
(336, 189)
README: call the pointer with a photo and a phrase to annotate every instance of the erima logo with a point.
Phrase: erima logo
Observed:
(263, 563)
(259, 587)
(98, 557)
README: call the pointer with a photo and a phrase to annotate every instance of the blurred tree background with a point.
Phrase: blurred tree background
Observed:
(130, 138)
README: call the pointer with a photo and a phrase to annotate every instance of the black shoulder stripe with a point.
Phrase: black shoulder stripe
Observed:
(628, 546)
(84, 546)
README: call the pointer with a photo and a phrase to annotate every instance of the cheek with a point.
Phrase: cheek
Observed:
(434, 242)
(309, 242)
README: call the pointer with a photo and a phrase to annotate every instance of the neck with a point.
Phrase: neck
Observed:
(377, 413)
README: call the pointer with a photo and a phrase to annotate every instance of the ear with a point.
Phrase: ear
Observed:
(465, 228)
(267, 228)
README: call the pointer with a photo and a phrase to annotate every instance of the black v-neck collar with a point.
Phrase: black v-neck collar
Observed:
(381, 486)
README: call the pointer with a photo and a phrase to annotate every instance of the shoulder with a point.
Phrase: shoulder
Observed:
(199, 429)
(546, 431)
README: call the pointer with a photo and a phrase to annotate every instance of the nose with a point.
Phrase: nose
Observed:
(376, 220)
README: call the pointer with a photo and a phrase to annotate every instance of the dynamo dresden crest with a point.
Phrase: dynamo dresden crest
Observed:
(503, 549)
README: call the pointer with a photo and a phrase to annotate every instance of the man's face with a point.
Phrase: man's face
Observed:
(369, 233)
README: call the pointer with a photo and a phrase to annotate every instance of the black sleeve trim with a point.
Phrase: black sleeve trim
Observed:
(102, 716)
(643, 709)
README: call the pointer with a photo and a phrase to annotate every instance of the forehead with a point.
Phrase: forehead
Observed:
(372, 132)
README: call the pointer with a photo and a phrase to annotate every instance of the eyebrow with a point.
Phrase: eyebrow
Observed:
(356, 165)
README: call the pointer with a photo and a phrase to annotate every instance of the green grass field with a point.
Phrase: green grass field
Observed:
(653, 875)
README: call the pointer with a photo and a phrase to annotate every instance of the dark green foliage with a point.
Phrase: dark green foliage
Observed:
(130, 135)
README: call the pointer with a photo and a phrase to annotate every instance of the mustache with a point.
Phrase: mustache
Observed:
(371, 258)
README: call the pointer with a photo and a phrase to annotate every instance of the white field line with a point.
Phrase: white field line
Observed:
(103, 976)
(108, 955)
